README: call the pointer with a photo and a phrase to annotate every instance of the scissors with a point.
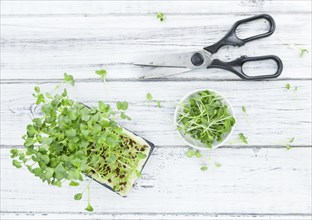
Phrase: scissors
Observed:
(202, 59)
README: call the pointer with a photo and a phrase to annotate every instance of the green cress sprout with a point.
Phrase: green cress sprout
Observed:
(149, 99)
(243, 138)
(69, 79)
(205, 117)
(289, 142)
(70, 141)
(102, 74)
(160, 16)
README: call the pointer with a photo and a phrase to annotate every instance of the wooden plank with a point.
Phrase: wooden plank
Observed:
(250, 182)
(275, 114)
(175, 216)
(102, 8)
(35, 48)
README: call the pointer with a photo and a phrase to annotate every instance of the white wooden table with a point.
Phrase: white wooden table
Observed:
(40, 40)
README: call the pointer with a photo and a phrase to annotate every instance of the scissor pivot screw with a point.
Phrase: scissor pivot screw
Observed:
(197, 59)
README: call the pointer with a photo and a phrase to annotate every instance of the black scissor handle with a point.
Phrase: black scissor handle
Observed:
(236, 66)
(231, 38)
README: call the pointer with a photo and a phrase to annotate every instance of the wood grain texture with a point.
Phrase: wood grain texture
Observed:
(275, 114)
(258, 181)
(104, 8)
(262, 180)
(40, 48)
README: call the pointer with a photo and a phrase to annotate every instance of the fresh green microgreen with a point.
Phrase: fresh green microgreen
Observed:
(89, 208)
(287, 86)
(141, 155)
(16, 164)
(124, 116)
(190, 152)
(149, 97)
(102, 73)
(203, 168)
(73, 183)
(198, 154)
(158, 104)
(14, 153)
(218, 165)
(289, 142)
(122, 105)
(78, 196)
(69, 141)
(244, 109)
(138, 173)
(69, 79)
(303, 51)
(205, 117)
(243, 138)
(160, 16)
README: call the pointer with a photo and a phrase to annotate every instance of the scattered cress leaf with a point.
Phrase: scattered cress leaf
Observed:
(89, 208)
(217, 164)
(102, 73)
(124, 116)
(160, 16)
(190, 152)
(149, 97)
(243, 138)
(37, 89)
(287, 86)
(303, 51)
(244, 109)
(198, 154)
(288, 144)
(73, 183)
(122, 105)
(16, 164)
(158, 104)
(78, 196)
(69, 79)
(204, 168)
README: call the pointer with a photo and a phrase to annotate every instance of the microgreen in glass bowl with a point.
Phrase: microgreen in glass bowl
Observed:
(204, 119)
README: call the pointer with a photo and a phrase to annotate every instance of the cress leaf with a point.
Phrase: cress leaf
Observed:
(89, 208)
(243, 138)
(73, 183)
(149, 97)
(160, 16)
(78, 196)
(16, 164)
(190, 152)
(69, 79)
(204, 168)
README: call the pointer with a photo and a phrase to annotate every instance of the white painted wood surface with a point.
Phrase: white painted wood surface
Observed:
(262, 180)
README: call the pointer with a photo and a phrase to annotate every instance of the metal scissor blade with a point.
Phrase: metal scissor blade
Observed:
(176, 60)
(160, 72)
